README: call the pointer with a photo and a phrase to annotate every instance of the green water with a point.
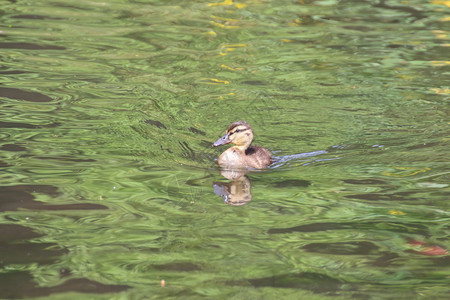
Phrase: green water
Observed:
(108, 110)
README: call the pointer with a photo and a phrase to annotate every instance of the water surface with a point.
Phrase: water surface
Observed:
(108, 181)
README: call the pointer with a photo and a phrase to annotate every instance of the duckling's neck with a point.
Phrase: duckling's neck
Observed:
(244, 147)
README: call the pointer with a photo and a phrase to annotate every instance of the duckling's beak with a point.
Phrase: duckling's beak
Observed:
(222, 141)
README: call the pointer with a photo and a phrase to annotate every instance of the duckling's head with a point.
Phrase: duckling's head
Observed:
(239, 133)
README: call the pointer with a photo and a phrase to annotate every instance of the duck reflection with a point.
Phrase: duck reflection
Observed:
(236, 192)
(236, 162)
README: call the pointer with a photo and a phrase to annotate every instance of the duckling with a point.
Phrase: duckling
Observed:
(242, 155)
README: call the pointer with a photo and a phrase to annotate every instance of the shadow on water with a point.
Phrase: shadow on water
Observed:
(317, 283)
(20, 196)
(16, 248)
(19, 94)
(18, 285)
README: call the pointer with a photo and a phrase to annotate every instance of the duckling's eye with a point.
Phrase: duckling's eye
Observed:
(238, 130)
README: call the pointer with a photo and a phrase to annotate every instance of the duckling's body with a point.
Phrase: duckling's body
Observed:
(253, 157)
(242, 155)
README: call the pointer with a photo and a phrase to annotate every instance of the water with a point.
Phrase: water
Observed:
(109, 188)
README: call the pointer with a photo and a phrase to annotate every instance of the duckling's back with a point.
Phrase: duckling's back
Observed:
(258, 157)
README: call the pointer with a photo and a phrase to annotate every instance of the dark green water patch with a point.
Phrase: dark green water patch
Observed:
(19, 94)
(316, 283)
(21, 197)
(29, 46)
(19, 285)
